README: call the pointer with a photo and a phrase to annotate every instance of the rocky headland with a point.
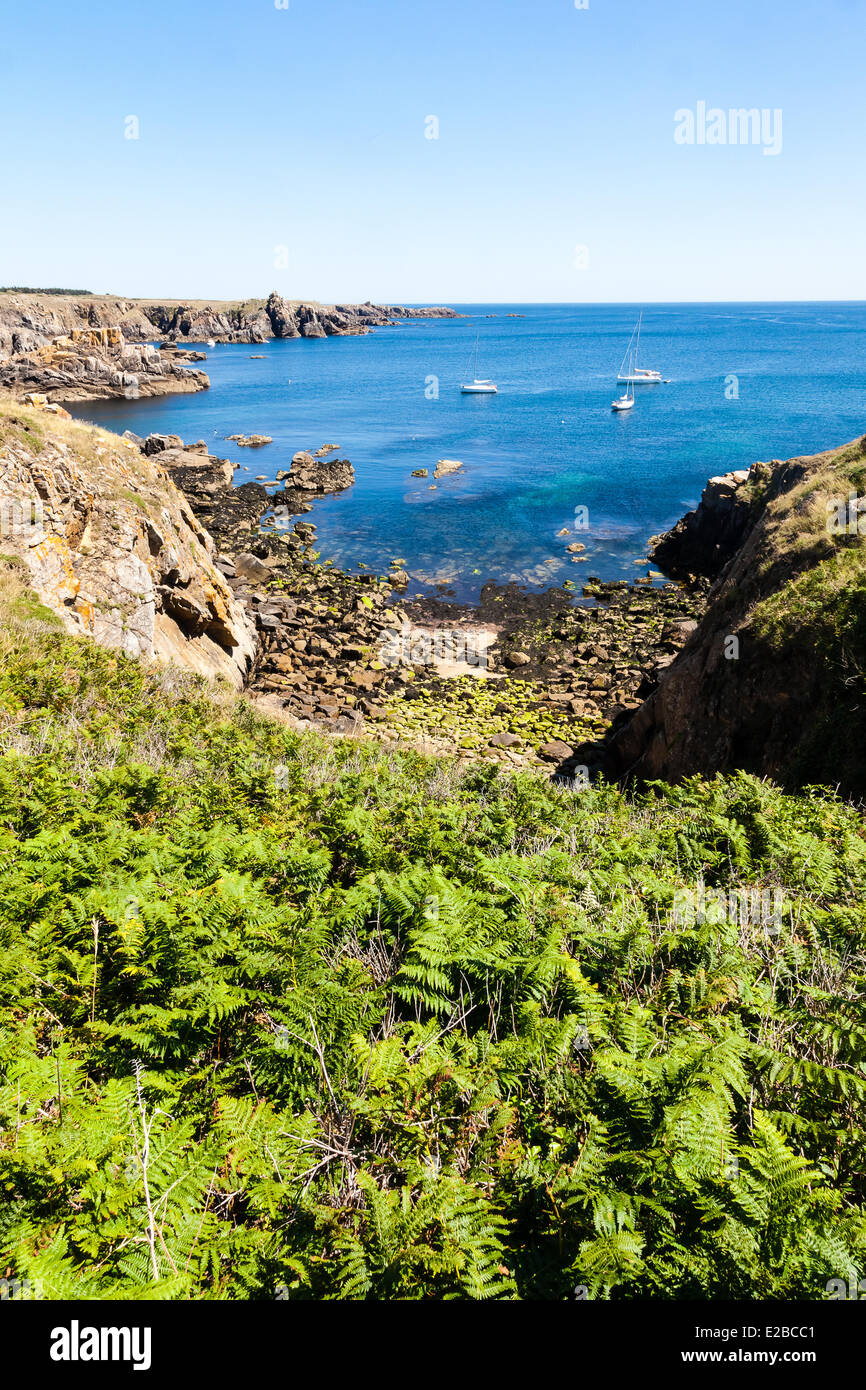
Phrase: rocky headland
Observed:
(771, 680)
(92, 347)
(29, 321)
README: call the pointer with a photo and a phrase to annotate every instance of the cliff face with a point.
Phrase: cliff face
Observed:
(703, 542)
(94, 363)
(113, 548)
(30, 321)
(774, 678)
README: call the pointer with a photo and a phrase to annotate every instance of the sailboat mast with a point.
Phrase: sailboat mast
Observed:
(637, 344)
(475, 368)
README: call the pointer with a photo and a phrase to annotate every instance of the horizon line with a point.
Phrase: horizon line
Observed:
(431, 302)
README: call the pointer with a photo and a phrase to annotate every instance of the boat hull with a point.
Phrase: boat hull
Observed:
(479, 388)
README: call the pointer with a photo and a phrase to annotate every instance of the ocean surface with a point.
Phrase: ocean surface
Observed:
(747, 382)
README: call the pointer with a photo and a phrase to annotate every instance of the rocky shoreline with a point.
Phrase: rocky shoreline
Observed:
(112, 547)
(748, 658)
(523, 678)
(148, 545)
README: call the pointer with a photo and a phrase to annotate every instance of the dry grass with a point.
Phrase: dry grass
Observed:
(55, 301)
(78, 435)
(122, 472)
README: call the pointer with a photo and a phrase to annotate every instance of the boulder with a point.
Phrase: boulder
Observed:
(158, 443)
(556, 751)
(250, 567)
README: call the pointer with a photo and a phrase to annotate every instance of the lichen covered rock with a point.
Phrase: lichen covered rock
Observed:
(113, 548)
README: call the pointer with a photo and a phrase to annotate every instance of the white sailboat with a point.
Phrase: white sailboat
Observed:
(625, 402)
(635, 375)
(478, 387)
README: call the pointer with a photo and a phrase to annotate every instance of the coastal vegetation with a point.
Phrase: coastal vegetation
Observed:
(288, 1016)
(28, 289)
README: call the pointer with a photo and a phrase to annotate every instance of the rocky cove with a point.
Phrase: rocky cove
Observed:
(146, 544)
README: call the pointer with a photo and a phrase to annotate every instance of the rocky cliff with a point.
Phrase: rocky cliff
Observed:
(112, 546)
(773, 679)
(94, 363)
(30, 321)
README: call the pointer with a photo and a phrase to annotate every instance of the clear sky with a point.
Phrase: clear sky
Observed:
(305, 129)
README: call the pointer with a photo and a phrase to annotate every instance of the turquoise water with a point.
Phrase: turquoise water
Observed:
(547, 444)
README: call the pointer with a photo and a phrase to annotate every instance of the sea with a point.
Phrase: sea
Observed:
(544, 455)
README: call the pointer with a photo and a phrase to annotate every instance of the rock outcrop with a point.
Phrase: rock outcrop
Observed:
(95, 363)
(29, 321)
(112, 546)
(439, 311)
(771, 679)
(319, 475)
(446, 466)
(706, 539)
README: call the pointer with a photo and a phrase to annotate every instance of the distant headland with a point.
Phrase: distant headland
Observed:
(81, 346)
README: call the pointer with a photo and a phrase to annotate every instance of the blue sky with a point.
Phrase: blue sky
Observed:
(305, 128)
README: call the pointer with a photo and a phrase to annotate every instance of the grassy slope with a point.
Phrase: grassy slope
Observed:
(399, 1030)
(816, 616)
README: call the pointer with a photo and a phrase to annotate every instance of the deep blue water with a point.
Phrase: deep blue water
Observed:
(546, 444)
